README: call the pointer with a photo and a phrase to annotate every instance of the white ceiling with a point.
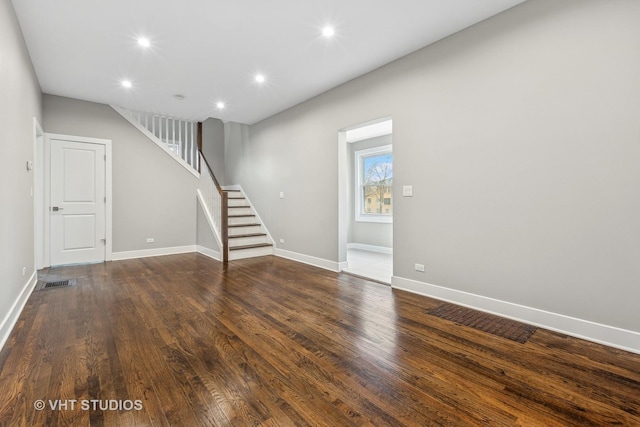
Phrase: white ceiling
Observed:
(210, 50)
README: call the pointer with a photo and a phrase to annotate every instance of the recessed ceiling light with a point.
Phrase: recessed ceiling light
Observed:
(144, 42)
(220, 105)
(328, 31)
(126, 83)
(260, 78)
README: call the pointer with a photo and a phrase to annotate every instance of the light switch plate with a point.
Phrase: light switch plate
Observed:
(407, 191)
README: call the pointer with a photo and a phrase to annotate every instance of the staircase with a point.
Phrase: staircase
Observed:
(247, 236)
(236, 226)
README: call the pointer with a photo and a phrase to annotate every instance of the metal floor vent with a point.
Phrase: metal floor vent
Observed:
(54, 284)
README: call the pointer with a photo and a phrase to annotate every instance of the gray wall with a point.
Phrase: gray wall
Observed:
(20, 103)
(520, 137)
(367, 233)
(213, 147)
(153, 196)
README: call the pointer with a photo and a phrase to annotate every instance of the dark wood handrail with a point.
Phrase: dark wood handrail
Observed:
(224, 207)
(215, 181)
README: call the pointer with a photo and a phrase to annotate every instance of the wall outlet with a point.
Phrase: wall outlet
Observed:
(151, 240)
(282, 194)
(24, 270)
(282, 241)
(420, 267)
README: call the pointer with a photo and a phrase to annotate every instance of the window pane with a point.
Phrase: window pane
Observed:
(377, 181)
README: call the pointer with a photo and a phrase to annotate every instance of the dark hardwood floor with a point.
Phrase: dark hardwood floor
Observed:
(269, 342)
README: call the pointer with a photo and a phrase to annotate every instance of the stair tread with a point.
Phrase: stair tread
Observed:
(231, 191)
(245, 225)
(237, 236)
(257, 245)
(237, 198)
(239, 207)
(240, 216)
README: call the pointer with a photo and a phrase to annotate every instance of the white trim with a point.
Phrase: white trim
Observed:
(359, 156)
(108, 190)
(602, 334)
(12, 316)
(209, 252)
(370, 248)
(153, 138)
(344, 265)
(308, 259)
(209, 217)
(144, 253)
(38, 194)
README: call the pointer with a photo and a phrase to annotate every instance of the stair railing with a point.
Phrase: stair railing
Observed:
(217, 202)
(180, 136)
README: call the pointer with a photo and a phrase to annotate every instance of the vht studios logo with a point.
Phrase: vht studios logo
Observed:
(88, 405)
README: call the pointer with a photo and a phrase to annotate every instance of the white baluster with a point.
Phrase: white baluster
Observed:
(181, 139)
(166, 130)
(191, 162)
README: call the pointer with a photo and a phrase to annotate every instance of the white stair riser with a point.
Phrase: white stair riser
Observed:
(241, 241)
(234, 231)
(238, 202)
(250, 253)
(242, 220)
(240, 211)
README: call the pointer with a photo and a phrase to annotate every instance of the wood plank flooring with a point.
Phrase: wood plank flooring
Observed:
(269, 342)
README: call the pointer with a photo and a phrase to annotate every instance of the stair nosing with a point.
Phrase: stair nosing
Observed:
(237, 236)
(240, 216)
(256, 246)
(244, 225)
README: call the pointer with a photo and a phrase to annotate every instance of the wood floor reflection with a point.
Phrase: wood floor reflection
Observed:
(268, 341)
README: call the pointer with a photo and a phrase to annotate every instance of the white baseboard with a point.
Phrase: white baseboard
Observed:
(602, 334)
(370, 248)
(308, 259)
(11, 318)
(209, 252)
(343, 265)
(118, 256)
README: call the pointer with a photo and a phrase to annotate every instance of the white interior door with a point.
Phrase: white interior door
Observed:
(78, 202)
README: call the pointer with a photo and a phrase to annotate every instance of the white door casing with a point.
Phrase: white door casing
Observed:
(79, 207)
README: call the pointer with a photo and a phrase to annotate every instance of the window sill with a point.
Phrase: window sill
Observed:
(380, 219)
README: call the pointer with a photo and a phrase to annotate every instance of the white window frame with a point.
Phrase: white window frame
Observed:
(359, 156)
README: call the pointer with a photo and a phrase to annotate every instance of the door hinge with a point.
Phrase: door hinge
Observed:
(105, 199)
(105, 157)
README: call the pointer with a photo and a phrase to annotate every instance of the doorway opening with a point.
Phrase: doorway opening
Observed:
(366, 200)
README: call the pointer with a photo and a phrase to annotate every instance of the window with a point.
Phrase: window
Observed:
(374, 184)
